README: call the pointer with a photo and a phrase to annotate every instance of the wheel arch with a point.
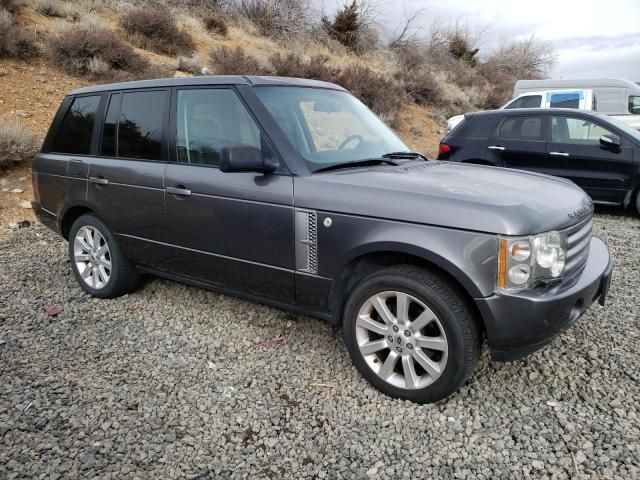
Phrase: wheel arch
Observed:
(375, 259)
(70, 216)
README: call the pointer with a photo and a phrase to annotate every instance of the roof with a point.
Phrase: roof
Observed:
(208, 80)
(516, 111)
(577, 83)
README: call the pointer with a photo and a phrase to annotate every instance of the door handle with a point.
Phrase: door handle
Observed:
(179, 190)
(99, 180)
(559, 154)
(495, 147)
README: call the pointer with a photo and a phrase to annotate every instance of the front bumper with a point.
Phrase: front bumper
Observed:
(520, 323)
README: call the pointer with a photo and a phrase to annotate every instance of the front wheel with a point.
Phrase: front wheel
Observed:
(411, 334)
(97, 262)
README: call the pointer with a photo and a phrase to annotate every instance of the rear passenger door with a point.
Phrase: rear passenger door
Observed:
(520, 142)
(126, 179)
(63, 166)
(604, 173)
(231, 229)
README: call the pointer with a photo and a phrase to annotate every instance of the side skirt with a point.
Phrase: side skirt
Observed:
(235, 293)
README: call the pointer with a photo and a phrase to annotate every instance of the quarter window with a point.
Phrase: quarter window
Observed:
(576, 131)
(522, 128)
(209, 120)
(74, 134)
(528, 101)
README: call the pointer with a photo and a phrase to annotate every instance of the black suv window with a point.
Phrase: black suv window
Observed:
(522, 128)
(74, 134)
(209, 120)
(528, 101)
(140, 125)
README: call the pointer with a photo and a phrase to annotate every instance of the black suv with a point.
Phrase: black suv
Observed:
(291, 192)
(598, 153)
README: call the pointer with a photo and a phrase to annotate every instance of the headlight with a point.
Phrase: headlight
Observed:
(523, 261)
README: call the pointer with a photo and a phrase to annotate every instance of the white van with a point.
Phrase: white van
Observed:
(582, 99)
(615, 96)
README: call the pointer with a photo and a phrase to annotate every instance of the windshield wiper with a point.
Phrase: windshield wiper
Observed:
(357, 163)
(400, 155)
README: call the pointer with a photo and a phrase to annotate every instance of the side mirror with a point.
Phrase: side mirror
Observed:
(245, 159)
(610, 141)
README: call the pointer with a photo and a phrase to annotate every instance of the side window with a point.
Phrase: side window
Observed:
(634, 104)
(74, 134)
(209, 120)
(140, 125)
(522, 128)
(528, 101)
(576, 131)
(565, 100)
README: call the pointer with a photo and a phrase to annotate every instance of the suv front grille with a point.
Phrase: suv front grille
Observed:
(578, 242)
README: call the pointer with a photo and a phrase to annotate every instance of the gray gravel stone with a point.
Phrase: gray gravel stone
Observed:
(154, 385)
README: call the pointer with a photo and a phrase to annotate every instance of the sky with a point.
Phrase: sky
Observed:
(592, 38)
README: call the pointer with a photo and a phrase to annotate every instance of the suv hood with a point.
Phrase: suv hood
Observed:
(469, 197)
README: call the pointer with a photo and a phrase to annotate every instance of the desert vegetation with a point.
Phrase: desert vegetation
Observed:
(17, 143)
(441, 70)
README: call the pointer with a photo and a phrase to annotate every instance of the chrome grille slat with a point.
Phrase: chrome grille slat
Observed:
(578, 242)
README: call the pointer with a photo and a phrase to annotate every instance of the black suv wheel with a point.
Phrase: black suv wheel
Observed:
(410, 334)
(96, 260)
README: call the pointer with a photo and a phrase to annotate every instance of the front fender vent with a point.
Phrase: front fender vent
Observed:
(306, 236)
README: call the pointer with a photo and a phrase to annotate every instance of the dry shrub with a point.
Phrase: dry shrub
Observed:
(50, 8)
(84, 51)
(353, 27)
(282, 19)
(292, 65)
(500, 84)
(11, 6)
(156, 29)
(419, 83)
(14, 41)
(192, 65)
(17, 143)
(345, 25)
(381, 94)
(225, 61)
(216, 25)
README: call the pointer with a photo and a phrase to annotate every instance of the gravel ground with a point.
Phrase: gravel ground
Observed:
(168, 383)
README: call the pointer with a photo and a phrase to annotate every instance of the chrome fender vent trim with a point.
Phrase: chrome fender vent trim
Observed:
(306, 237)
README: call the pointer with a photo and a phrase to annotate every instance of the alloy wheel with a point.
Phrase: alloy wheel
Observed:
(92, 257)
(401, 340)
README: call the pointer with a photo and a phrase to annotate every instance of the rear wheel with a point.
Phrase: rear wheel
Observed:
(410, 334)
(97, 262)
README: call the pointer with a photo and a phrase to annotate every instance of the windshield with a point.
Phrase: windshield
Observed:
(328, 127)
(632, 132)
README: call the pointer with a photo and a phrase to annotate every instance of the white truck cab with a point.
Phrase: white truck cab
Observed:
(582, 99)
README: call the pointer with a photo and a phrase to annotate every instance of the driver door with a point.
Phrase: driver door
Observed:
(230, 229)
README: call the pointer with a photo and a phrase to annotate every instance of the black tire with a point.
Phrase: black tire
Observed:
(455, 317)
(124, 276)
(636, 201)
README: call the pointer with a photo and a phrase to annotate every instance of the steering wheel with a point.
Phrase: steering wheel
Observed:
(349, 139)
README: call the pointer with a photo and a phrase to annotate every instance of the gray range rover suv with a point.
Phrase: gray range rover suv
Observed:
(292, 193)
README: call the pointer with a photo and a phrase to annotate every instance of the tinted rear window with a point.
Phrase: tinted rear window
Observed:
(522, 128)
(140, 125)
(74, 134)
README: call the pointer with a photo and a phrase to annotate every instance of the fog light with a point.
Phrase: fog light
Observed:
(519, 275)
